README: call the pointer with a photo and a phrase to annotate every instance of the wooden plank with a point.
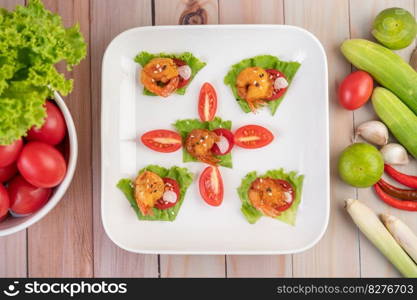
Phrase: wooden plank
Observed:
(61, 244)
(252, 12)
(13, 247)
(108, 19)
(168, 12)
(184, 12)
(337, 253)
(362, 13)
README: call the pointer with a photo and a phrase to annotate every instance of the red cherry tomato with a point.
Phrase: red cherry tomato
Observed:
(41, 165)
(274, 74)
(4, 202)
(7, 172)
(170, 185)
(230, 138)
(211, 186)
(286, 188)
(355, 90)
(162, 140)
(207, 103)
(53, 130)
(26, 198)
(253, 136)
(183, 82)
(10, 153)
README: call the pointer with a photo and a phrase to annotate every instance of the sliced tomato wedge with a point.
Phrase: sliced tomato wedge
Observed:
(253, 136)
(226, 141)
(171, 187)
(289, 190)
(274, 74)
(211, 186)
(207, 103)
(183, 82)
(162, 140)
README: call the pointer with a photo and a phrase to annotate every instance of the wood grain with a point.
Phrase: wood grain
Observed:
(13, 247)
(168, 12)
(60, 245)
(373, 263)
(337, 253)
(252, 12)
(109, 18)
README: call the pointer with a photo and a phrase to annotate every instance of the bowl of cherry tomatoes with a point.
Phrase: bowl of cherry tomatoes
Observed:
(36, 170)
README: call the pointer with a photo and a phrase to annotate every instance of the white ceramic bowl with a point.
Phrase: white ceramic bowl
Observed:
(12, 225)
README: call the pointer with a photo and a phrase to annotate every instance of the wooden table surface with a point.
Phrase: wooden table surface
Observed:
(70, 240)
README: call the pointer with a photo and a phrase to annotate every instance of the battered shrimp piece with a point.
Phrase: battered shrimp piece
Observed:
(149, 188)
(271, 196)
(160, 76)
(199, 143)
(253, 85)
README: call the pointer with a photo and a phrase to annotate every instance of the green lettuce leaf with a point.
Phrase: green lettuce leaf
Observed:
(289, 69)
(184, 127)
(181, 175)
(193, 62)
(252, 214)
(32, 41)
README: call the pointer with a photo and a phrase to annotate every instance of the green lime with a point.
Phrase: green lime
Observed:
(395, 28)
(361, 165)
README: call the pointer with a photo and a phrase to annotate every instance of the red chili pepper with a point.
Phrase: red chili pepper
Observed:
(407, 180)
(400, 204)
(397, 192)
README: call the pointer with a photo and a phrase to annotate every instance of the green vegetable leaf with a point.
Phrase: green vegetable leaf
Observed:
(181, 175)
(252, 214)
(289, 69)
(193, 62)
(184, 127)
(32, 41)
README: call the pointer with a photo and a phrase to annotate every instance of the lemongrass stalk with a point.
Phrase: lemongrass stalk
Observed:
(370, 225)
(402, 234)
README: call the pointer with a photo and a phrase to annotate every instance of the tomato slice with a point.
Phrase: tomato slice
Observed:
(183, 82)
(211, 186)
(228, 135)
(286, 188)
(162, 140)
(253, 136)
(207, 103)
(274, 74)
(170, 185)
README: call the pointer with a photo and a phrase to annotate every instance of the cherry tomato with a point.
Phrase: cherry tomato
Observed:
(53, 130)
(7, 172)
(274, 74)
(162, 140)
(211, 186)
(253, 136)
(355, 90)
(41, 165)
(286, 188)
(10, 153)
(170, 185)
(221, 132)
(26, 198)
(4, 202)
(183, 82)
(207, 103)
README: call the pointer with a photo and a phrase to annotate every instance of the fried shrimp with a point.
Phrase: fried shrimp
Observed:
(149, 187)
(271, 196)
(160, 76)
(253, 85)
(199, 143)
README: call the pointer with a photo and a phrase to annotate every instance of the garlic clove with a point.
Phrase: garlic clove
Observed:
(394, 154)
(374, 132)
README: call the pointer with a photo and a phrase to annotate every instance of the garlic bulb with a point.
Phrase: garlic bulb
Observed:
(394, 154)
(374, 132)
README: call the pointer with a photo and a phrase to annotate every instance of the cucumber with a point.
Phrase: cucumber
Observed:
(388, 68)
(401, 121)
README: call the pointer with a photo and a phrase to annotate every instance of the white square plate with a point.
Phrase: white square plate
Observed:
(300, 127)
